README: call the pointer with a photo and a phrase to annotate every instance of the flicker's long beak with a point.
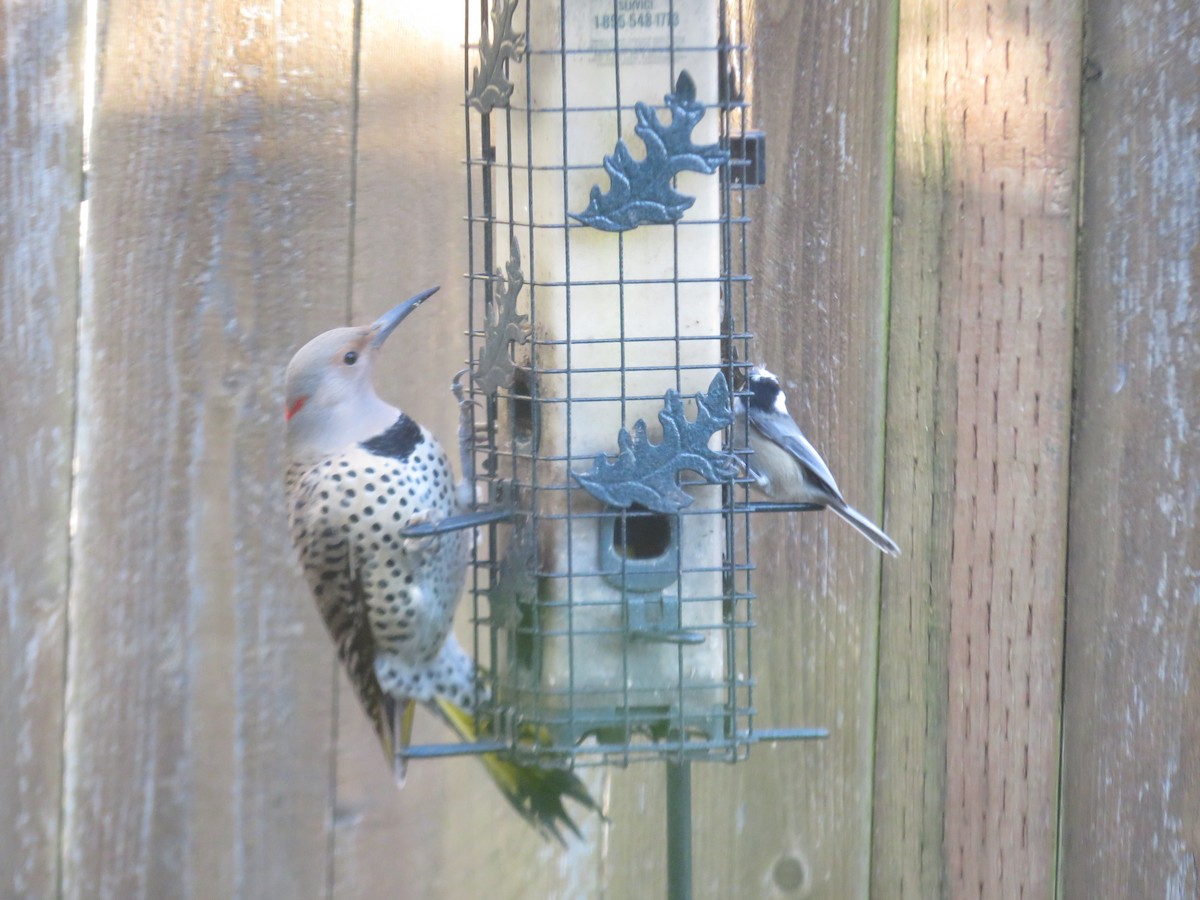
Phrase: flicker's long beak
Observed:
(387, 323)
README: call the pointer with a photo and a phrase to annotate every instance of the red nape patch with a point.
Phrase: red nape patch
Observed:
(294, 408)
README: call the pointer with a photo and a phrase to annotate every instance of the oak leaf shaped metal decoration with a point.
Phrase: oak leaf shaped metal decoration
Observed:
(503, 327)
(648, 473)
(489, 86)
(640, 191)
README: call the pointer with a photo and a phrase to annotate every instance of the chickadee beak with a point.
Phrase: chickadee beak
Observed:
(387, 323)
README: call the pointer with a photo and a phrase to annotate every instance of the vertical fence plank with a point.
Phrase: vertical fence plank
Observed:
(449, 831)
(199, 704)
(408, 235)
(978, 418)
(1131, 759)
(798, 821)
(40, 145)
(908, 852)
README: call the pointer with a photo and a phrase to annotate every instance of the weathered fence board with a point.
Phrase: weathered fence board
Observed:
(199, 706)
(978, 421)
(819, 259)
(1131, 815)
(41, 141)
(448, 833)
(911, 740)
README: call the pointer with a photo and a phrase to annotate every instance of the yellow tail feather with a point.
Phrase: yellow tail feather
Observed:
(535, 793)
(395, 732)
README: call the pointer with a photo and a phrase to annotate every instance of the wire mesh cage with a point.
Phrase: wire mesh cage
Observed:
(608, 294)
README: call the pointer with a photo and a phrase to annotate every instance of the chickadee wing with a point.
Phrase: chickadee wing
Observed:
(782, 430)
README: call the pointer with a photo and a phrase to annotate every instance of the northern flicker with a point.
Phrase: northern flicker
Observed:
(359, 473)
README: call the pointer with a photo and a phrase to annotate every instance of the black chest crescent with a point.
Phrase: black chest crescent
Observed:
(398, 442)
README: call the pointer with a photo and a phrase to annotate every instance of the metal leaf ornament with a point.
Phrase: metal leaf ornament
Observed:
(504, 326)
(648, 473)
(640, 192)
(489, 86)
(515, 587)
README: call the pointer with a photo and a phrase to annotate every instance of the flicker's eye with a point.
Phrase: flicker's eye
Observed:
(350, 358)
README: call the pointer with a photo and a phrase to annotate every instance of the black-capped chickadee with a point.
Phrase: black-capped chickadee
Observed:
(784, 465)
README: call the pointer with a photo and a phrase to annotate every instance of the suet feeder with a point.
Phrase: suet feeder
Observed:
(608, 160)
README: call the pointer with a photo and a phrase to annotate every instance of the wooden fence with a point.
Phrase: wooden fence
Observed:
(975, 266)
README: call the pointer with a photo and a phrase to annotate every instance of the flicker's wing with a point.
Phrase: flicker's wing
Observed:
(345, 615)
(783, 431)
(343, 606)
(333, 570)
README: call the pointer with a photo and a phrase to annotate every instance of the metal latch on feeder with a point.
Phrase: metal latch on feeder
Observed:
(747, 158)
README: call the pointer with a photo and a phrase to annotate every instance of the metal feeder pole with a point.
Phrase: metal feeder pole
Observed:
(679, 829)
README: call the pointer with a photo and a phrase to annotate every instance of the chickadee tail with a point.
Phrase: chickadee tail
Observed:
(535, 793)
(868, 528)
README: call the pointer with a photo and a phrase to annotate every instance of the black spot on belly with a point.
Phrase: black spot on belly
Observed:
(398, 442)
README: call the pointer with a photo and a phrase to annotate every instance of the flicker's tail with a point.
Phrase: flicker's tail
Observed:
(395, 734)
(868, 528)
(535, 793)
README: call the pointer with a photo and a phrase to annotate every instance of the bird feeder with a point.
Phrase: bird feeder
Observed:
(608, 162)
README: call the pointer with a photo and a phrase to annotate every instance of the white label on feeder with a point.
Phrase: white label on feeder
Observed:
(639, 25)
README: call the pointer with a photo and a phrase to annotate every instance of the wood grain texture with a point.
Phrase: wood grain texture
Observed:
(978, 423)
(1131, 816)
(41, 140)
(799, 823)
(199, 702)
(908, 851)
